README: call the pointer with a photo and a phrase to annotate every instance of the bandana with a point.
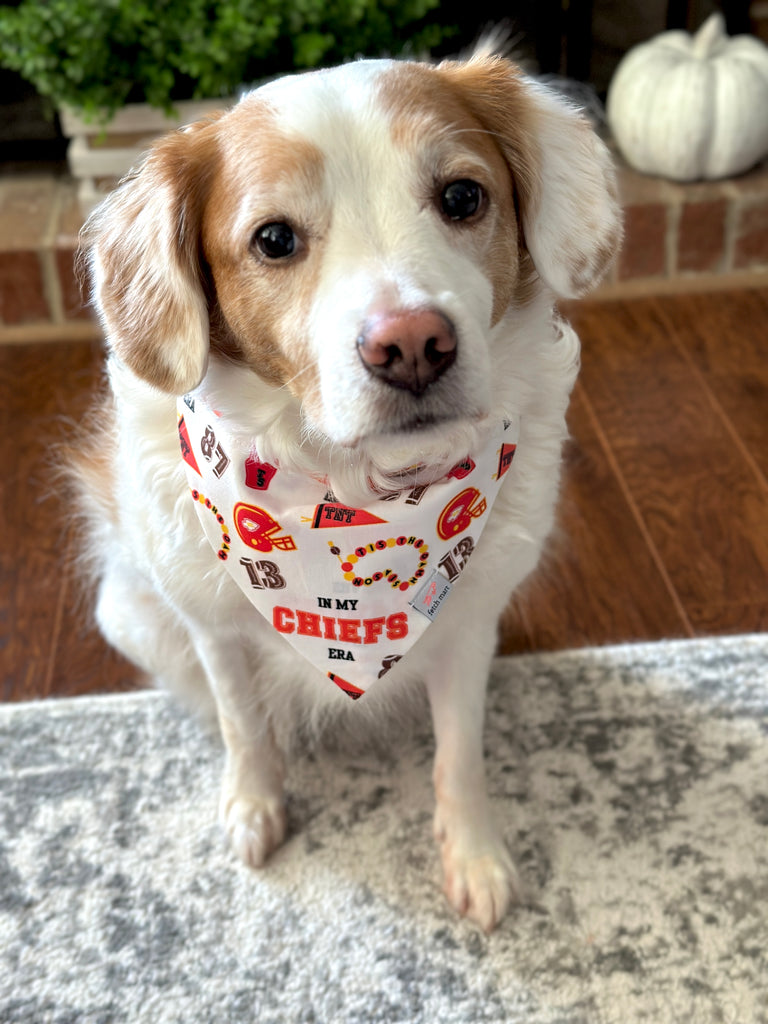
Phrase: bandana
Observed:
(351, 589)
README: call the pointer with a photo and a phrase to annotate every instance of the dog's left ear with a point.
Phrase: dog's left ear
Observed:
(563, 174)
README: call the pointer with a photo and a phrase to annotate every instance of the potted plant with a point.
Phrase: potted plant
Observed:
(123, 71)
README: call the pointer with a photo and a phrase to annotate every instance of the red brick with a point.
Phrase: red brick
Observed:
(701, 236)
(751, 249)
(22, 295)
(645, 242)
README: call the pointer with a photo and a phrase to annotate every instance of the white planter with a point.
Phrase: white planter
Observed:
(100, 154)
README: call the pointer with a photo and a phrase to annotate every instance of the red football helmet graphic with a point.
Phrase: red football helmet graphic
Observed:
(256, 528)
(458, 514)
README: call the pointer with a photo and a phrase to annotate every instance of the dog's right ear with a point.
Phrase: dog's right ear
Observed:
(563, 175)
(141, 246)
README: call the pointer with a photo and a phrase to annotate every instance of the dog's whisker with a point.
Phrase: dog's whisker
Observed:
(286, 384)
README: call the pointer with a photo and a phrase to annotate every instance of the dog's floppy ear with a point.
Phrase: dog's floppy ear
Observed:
(141, 247)
(563, 173)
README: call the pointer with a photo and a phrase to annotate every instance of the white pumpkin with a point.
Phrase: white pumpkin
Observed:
(690, 107)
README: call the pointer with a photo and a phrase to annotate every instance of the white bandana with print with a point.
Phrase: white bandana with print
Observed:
(351, 589)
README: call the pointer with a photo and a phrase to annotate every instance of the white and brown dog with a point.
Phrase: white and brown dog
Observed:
(350, 276)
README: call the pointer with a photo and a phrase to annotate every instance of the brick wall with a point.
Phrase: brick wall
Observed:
(39, 295)
(708, 234)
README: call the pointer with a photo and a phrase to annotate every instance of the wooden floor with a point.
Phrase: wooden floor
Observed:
(664, 516)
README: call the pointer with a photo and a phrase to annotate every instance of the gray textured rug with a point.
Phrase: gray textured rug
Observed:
(633, 783)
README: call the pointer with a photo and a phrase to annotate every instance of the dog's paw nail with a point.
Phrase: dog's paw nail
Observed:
(255, 828)
(482, 886)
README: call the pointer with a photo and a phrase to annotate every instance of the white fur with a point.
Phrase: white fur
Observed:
(568, 221)
(165, 601)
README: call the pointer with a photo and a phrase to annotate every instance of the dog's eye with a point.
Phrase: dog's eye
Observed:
(461, 199)
(275, 241)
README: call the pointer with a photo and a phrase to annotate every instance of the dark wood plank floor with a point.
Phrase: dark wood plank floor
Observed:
(664, 518)
(47, 644)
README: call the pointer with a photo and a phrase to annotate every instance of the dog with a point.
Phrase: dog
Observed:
(327, 310)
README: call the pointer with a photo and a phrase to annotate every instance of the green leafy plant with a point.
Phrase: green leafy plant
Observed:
(97, 55)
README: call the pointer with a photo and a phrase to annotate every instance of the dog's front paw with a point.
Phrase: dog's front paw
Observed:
(480, 879)
(255, 826)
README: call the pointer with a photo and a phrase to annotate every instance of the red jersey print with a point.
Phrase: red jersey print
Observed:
(258, 475)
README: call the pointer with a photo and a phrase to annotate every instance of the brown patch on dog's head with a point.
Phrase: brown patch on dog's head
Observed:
(172, 258)
(260, 306)
(427, 107)
(560, 175)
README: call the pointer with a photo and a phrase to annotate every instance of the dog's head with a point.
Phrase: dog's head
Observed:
(359, 238)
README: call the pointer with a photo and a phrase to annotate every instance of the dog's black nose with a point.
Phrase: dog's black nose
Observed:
(408, 350)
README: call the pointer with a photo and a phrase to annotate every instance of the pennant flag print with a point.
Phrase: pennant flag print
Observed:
(186, 448)
(330, 514)
(349, 688)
